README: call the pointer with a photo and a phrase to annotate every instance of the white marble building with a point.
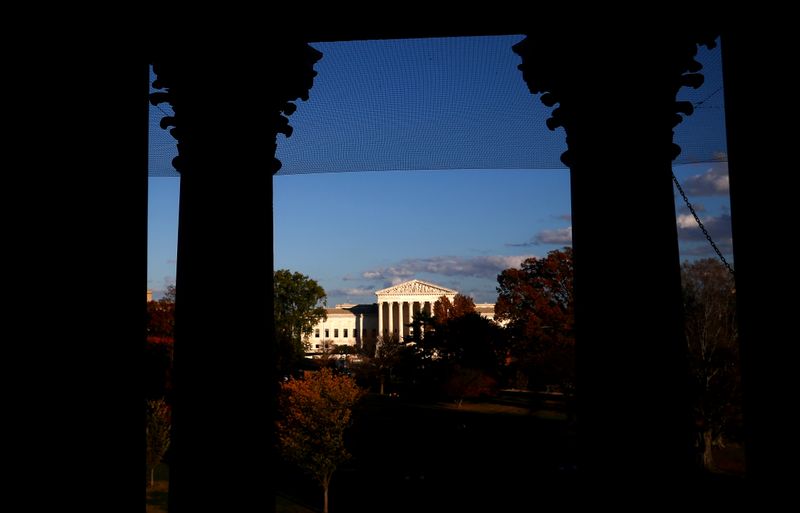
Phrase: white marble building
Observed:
(349, 324)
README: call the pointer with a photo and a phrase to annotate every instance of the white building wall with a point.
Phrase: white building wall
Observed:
(336, 325)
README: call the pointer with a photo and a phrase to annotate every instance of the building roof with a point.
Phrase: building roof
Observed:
(416, 287)
(348, 309)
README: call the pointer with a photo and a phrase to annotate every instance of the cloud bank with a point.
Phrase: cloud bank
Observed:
(560, 236)
(713, 182)
(719, 227)
(476, 267)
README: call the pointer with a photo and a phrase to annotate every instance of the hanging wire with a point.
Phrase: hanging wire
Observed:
(700, 224)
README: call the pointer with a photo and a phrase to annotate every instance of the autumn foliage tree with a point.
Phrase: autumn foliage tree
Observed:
(466, 345)
(444, 309)
(465, 382)
(157, 434)
(314, 413)
(160, 331)
(709, 301)
(161, 315)
(537, 301)
(299, 303)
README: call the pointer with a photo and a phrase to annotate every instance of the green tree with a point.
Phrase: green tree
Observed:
(314, 413)
(709, 300)
(299, 305)
(537, 301)
(158, 426)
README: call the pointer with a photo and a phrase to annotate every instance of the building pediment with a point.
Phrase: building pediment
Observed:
(416, 287)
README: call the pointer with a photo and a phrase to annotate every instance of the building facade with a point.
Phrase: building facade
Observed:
(352, 325)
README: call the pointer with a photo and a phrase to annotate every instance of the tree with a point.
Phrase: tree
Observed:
(325, 357)
(466, 382)
(169, 294)
(161, 315)
(709, 300)
(537, 300)
(158, 426)
(444, 310)
(314, 414)
(159, 345)
(299, 305)
(421, 322)
(465, 348)
(387, 355)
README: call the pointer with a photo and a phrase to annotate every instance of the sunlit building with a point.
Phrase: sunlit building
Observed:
(352, 324)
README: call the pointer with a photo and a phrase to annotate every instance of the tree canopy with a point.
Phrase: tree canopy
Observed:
(537, 301)
(157, 433)
(161, 316)
(444, 310)
(314, 412)
(159, 345)
(299, 304)
(709, 301)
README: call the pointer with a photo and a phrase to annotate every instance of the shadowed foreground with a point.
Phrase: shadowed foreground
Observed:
(414, 457)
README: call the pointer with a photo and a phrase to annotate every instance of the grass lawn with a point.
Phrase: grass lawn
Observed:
(285, 505)
(157, 495)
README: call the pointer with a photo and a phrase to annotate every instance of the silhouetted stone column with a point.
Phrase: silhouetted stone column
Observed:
(616, 95)
(228, 104)
(756, 76)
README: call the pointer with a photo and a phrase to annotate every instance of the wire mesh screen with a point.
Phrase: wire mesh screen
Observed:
(440, 103)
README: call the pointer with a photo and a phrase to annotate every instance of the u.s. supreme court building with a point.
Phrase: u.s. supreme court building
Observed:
(352, 325)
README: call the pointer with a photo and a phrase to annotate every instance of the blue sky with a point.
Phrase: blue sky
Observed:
(356, 232)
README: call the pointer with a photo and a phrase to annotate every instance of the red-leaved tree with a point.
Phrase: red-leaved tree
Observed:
(537, 301)
(314, 412)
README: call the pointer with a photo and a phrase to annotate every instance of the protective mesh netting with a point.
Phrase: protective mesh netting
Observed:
(440, 103)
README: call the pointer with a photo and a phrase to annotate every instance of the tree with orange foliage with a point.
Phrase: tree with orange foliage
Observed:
(157, 433)
(314, 412)
(444, 310)
(465, 382)
(159, 346)
(537, 300)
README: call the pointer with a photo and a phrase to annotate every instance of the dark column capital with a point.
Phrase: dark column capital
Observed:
(616, 74)
(211, 90)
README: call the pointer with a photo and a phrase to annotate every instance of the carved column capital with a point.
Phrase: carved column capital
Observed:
(612, 76)
(235, 93)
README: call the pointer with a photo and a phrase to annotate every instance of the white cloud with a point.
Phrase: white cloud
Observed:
(478, 267)
(353, 292)
(686, 221)
(560, 236)
(557, 236)
(713, 182)
(718, 227)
